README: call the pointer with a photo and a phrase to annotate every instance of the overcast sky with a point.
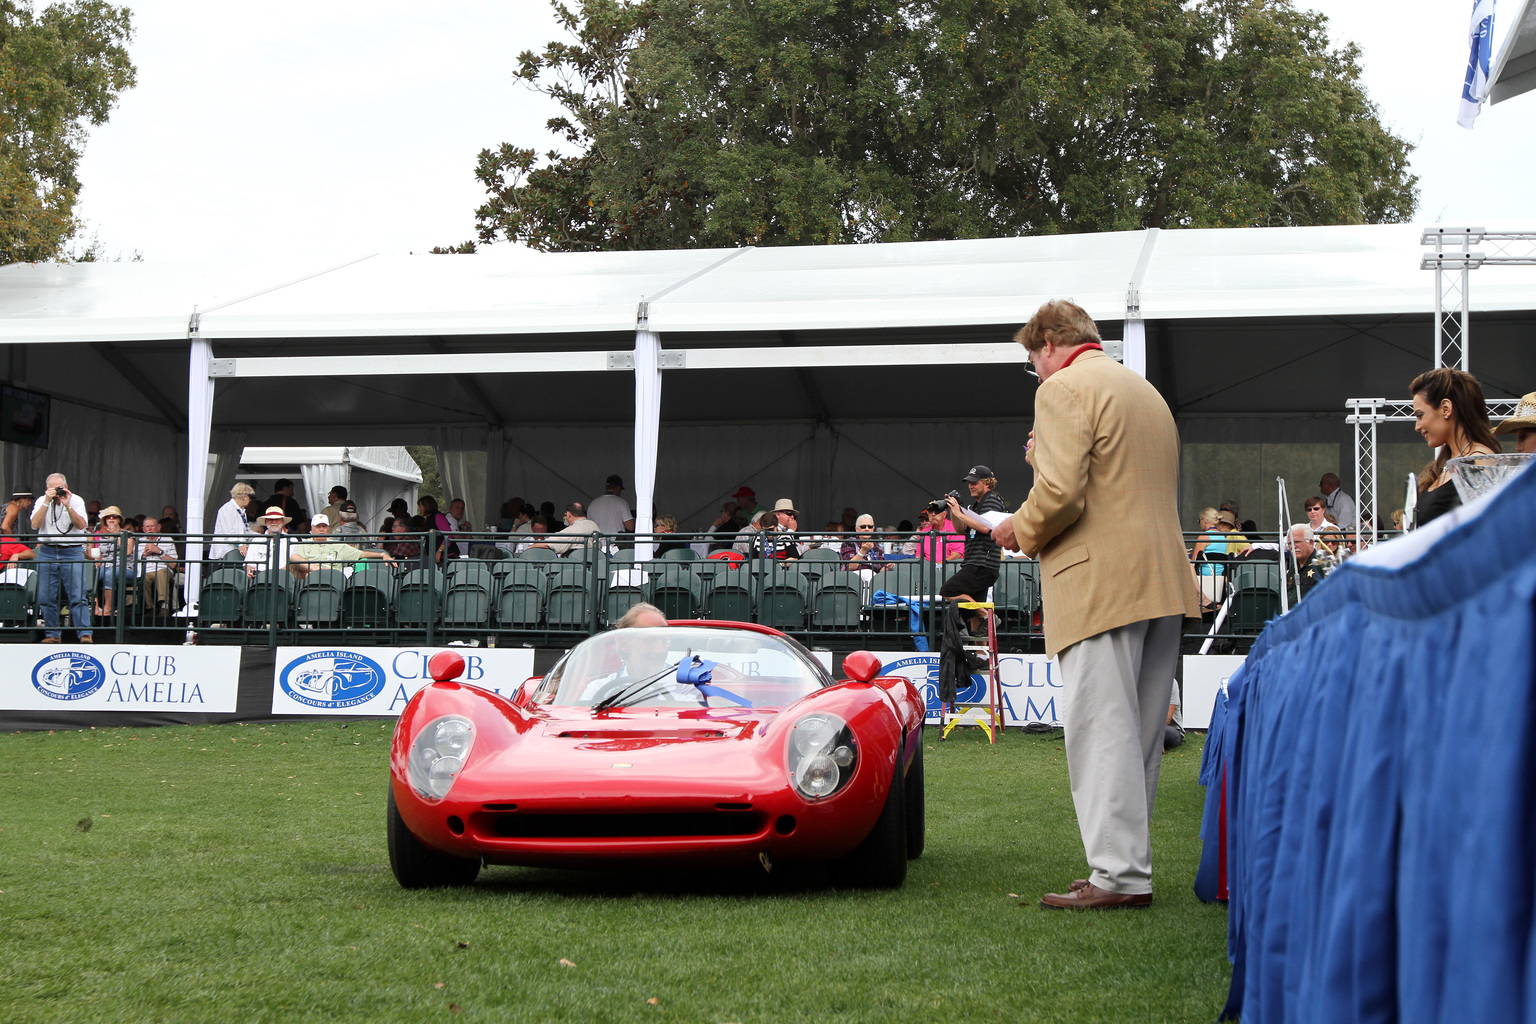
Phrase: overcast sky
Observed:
(336, 129)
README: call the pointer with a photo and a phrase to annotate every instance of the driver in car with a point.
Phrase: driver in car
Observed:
(645, 656)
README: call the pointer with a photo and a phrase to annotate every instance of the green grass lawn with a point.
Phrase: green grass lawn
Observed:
(238, 873)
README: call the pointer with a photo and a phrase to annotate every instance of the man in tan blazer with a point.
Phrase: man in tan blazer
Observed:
(1103, 518)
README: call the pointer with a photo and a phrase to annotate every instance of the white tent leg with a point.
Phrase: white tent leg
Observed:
(199, 431)
(647, 433)
(1134, 351)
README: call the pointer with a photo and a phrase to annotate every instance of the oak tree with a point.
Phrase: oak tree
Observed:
(728, 122)
(61, 71)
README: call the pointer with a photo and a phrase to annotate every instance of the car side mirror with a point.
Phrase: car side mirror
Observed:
(861, 666)
(524, 695)
(445, 666)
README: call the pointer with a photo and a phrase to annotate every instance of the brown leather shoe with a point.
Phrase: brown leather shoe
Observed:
(86, 639)
(52, 640)
(1091, 897)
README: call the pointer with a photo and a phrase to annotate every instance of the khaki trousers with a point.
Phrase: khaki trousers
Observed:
(1115, 689)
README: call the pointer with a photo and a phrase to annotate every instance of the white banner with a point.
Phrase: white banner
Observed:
(101, 677)
(1204, 675)
(346, 680)
(1030, 685)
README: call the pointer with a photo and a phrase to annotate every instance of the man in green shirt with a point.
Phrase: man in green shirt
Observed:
(322, 551)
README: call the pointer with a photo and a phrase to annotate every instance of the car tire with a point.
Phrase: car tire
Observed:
(415, 864)
(880, 861)
(917, 825)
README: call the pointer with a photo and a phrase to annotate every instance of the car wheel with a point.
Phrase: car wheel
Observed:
(917, 825)
(415, 864)
(880, 861)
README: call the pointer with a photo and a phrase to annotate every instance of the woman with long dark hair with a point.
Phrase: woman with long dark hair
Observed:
(1450, 413)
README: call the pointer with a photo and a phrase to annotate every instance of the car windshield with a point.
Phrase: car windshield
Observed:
(639, 668)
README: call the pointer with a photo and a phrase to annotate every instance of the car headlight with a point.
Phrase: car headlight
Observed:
(437, 755)
(820, 756)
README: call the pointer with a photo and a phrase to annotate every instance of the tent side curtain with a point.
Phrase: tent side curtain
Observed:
(319, 478)
(117, 460)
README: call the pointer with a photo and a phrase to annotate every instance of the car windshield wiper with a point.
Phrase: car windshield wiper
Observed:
(634, 691)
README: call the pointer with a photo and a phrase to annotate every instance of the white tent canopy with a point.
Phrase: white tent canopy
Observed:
(1193, 274)
(1514, 72)
(834, 374)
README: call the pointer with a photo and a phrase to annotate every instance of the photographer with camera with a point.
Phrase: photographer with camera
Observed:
(59, 519)
(979, 570)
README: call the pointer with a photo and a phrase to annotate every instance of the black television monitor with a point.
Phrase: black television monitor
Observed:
(24, 416)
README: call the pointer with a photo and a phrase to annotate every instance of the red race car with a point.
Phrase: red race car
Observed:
(708, 743)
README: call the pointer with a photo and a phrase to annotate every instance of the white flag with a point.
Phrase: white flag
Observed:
(1476, 86)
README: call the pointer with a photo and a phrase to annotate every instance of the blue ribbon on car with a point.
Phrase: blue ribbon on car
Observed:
(699, 672)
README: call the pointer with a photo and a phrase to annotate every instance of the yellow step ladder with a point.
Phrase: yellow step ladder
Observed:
(988, 717)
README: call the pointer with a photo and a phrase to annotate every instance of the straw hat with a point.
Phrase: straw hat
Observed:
(1524, 417)
(275, 513)
(109, 512)
(786, 505)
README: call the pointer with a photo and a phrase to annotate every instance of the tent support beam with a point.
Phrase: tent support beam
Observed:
(141, 383)
(199, 436)
(473, 389)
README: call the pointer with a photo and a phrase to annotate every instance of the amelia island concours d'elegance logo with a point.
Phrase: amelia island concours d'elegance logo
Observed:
(332, 679)
(68, 675)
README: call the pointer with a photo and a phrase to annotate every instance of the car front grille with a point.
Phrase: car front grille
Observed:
(523, 825)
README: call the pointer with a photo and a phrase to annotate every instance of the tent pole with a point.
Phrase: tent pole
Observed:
(647, 431)
(199, 429)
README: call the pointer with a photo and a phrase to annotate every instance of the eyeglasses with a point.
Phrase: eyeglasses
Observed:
(866, 527)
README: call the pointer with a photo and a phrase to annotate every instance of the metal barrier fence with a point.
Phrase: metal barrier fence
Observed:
(492, 588)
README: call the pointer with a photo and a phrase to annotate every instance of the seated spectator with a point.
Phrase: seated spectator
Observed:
(788, 546)
(400, 545)
(722, 531)
(848, 522)
(863, 551)
(12, 551)
(1210, 540)
(460, 525)
(667, 524)
(521, 523)
(20, 502)
(92, 514)
(938, 540)
(230, 525)
(346, 516)
(333, 500)
(1308, 564)
(438, 524)
(1330, 539)
(325, 550)
(1226, 522)
(1522, 424)
(113, 548)
(158, 564)
(755, 540)
(577, 526)
(269, 549)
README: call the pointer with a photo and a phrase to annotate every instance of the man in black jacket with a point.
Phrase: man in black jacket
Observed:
(979, 569)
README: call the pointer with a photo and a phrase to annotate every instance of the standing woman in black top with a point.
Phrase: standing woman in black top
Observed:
(1449, 411)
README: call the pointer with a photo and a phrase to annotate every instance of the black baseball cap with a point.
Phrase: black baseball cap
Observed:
(978, 473)
(348, 506)
(615, 481)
